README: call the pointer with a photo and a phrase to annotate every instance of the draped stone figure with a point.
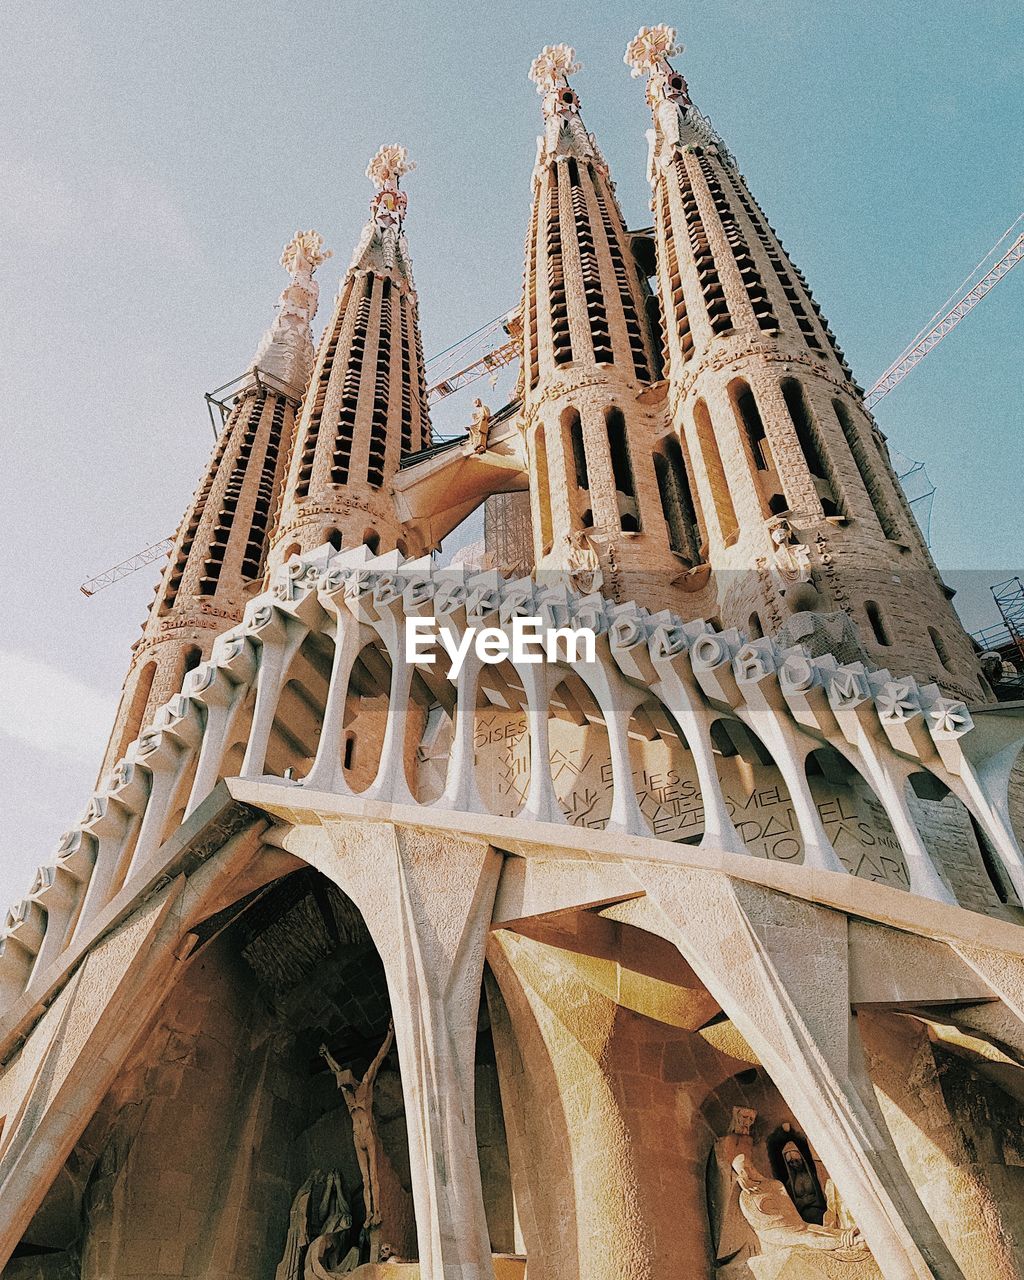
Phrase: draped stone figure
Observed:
(732, 1237)
(788, 1245)
(318, 1224)
(479, 426)
(358, 1095)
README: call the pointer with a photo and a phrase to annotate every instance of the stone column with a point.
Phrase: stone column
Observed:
(426, 900)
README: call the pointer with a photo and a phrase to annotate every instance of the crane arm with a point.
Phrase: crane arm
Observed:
(917, 351)
(122, 570)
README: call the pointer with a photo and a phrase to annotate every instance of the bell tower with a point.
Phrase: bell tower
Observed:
(591, 410)
(784, 470)
(366, 404)
(220, 549)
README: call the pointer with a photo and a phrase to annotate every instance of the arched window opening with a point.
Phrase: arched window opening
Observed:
(653, 309)
(543, 522)
(777, 504)
(367, 703)
(855, 820)
(298, 718)
(580, 754)
(575, 452)
(677, 502)
(749, 417)
(190, 659)
(728, 525)
(664, 775)
(877, 623)
(754, 628)
(939, 645)
(622, 470)
(807, 434)
(871, 479)
(333, 538)
(371, 539)
(293, 549)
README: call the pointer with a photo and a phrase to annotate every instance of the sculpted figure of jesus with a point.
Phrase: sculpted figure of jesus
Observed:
(358, 1095)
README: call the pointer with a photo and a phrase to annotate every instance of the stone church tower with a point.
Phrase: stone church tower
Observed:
(367, 403)
(220, 549)
(700, 958)
(590, 360)
(778, 464)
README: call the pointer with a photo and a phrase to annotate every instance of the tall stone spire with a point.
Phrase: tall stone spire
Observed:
(366, 404)
(785, 471)
(589, 363)
(220, 548)
(285, 352)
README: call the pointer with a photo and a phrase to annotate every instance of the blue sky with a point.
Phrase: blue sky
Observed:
(154, 160)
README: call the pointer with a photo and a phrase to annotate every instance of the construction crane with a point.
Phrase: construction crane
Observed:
(139, 561)
(930, 337)
(487, 363)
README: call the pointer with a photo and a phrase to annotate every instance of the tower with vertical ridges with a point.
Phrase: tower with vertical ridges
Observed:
(220, 549)
(782, 469)
(366, 405)
(590, 363)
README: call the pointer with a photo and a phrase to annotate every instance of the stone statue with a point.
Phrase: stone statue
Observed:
(318, 1223)
(732, 1237)
(290, 1266)
(335, 1219)
(358, 1095)
(791, 566)
(779, 1228)
(802, 1183)
(479, 426)
(584, 567)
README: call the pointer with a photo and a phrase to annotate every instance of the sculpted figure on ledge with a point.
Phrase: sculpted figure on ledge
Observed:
(789, 1246)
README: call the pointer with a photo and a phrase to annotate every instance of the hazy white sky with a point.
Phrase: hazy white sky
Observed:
(154, 160)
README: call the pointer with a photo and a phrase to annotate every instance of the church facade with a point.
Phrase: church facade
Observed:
(696, 956)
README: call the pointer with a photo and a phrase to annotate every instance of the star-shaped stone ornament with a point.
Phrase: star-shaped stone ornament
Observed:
(651, 47)
(554, 64)
(389, 164)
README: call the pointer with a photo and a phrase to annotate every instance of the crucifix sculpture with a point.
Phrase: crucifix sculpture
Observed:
(358, 1095)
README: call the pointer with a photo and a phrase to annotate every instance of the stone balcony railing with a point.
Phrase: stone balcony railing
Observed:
(224, 722)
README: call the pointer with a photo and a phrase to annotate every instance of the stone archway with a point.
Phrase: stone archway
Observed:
(224, 1107)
